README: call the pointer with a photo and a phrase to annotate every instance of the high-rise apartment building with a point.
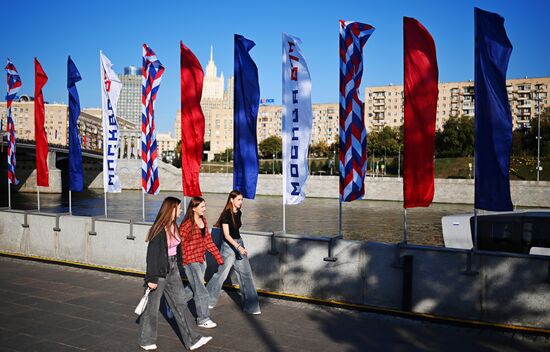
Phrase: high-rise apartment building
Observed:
(527, 98)
(129, 102)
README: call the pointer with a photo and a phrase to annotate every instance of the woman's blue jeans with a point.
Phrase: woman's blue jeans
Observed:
(245, 279)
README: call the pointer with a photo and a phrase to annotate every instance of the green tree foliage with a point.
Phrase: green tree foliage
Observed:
(319, 150)
(226, 155)
(456, 139)
(271, 145)
(530, 139)
(387, 139)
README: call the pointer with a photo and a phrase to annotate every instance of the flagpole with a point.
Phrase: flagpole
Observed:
(9, 193)
(105, 203)
(143, 205)
(70, 203)
(475, 229)
(38, 196)
(340, 216)
(405, 226)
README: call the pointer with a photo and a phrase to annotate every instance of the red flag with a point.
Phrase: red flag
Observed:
(421, 75)
(192, 121)
(40, 137)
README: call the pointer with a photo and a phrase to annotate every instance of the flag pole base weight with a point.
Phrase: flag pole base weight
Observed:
(273, 250)
(469, 270)
(397, 262)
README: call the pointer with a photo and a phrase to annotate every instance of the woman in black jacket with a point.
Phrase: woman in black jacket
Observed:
(163, 277)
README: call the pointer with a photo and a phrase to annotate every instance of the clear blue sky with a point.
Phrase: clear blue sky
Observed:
(52, 30)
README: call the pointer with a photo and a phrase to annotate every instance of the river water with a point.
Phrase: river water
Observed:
(379, 221)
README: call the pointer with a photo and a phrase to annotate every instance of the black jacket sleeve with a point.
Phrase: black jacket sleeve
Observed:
(157, 258)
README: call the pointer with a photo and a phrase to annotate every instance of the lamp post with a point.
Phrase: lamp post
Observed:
(273, 164)
(226, 162)
(384, 166)
(470, 170)
(399, 162)
(537, 100)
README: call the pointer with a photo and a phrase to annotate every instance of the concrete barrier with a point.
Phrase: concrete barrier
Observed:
(503, 288)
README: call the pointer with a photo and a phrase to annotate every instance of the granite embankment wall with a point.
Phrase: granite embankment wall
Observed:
(524, 193)
(503, 289)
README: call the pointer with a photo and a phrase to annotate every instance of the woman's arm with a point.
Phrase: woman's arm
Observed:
(228, 238)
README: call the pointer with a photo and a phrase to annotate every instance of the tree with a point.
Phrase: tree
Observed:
(319, 150)
(531, 136)
(456, 139)
(177, 160)
(271, 145)
(226, 155)
(387, 139)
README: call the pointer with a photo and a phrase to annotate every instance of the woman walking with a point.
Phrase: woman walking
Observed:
(234, 256)
(196, 240)
(163, 278)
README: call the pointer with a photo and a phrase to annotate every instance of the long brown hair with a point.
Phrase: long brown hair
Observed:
(228, 208)
(164, 217)
(189, 215)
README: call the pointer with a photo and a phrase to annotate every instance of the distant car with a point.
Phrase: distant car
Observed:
(521, 231)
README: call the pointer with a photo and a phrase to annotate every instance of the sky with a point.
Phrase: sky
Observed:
(52, 30)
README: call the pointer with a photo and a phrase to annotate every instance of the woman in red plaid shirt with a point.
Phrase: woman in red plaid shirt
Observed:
(196, 240)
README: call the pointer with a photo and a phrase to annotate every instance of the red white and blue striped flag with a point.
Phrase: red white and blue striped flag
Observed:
(14, 84)
(152, 71)
(353, 134)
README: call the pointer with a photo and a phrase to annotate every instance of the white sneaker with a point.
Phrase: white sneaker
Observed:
(203, 341)
(149, 347)
(209, 324)
(256, 313)
(210, 307)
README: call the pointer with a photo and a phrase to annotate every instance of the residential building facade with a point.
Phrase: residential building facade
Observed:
(527, 97)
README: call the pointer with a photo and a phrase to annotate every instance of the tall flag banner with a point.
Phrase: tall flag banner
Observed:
(493, 119)
(40, 137)
(246, 104)
(421, 91)
(297, 120)
(192, 121)
(353, 134)
(110, 91)
(14, 84)
(151, 72)
(76, 175)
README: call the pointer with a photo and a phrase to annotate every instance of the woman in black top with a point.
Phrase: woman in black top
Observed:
(163, 278)
(235, 256)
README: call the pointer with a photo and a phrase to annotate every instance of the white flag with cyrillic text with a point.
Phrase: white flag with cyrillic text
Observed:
(110, 91)
(297, 120)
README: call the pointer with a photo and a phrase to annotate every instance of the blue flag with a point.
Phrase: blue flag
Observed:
(247, 98)
(76, 178)
(493, 119)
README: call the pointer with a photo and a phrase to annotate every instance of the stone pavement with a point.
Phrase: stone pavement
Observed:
(48, 307)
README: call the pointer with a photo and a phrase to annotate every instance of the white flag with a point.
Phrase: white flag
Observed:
(297, 119)
(110, 90)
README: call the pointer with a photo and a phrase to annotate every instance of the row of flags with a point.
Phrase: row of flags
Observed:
(493, 126)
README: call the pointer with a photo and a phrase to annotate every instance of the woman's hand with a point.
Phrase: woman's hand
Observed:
(243, 250)
(152, 285)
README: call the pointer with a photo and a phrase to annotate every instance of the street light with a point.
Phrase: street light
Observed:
(273, 164)
(470, 170)
(384, 166)
(399, 162)
(537, 101)
(333, 160)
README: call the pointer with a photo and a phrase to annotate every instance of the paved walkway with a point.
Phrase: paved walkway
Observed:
(46, 307)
